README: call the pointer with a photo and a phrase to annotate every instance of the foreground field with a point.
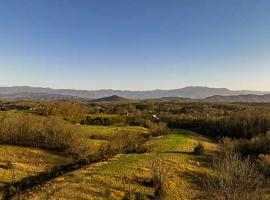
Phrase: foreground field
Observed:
(18, 162)
(131, 175)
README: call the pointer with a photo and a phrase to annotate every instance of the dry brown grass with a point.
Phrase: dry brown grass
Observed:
(26, 162)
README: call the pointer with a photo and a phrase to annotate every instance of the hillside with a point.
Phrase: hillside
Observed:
(239, 98)
(187, 92)
(170, 99)
(113, 98)
(113, 178)
(36, 96)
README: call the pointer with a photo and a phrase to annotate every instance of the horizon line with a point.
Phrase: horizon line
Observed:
(190, 86)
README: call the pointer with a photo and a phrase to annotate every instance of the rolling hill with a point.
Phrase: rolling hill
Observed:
(240, 98)
(113, 98)
(37, 96)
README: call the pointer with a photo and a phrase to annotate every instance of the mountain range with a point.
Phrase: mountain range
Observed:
(251, 98)
(193, 92)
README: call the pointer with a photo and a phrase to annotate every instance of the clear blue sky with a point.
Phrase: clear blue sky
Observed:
(135, 44)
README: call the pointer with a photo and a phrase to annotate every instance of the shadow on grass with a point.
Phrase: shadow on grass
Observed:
(134, 185)
(14, 189)
(179, 152)
(22, 186)
(198, 180)
(4, 167)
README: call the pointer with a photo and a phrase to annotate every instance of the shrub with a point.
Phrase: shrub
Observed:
(253, 147)
(159, 176)
(199, 149)
(43, 132)
(125, 142)
(104, 120)
(157, 129)
(234, 179)
(227, 145)
(9, 165)
(140, 196)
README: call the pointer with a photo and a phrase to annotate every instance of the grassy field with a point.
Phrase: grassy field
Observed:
(27, 161)
(18, 162)
(131, 173)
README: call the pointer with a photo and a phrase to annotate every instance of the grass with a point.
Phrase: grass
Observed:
(26, 162)
(129, 173)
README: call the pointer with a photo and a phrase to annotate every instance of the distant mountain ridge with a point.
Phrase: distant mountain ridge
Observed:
(113, 98)
(36, 96)
(249, 98)
(194, 92)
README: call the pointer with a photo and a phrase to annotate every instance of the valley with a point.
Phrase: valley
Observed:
(130, 149)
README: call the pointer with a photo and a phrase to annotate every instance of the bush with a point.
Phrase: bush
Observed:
(104, 120)
(227, 145)
(234, 179)
(43, 132)
(159, 176)
(199, 149)
(125, 142)
(9, 165)
(253, 147)
(157, 129)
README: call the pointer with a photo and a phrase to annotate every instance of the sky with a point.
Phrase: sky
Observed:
(135, 44)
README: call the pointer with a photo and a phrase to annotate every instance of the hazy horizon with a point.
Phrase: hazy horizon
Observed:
(135, 45)
(189, 86)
